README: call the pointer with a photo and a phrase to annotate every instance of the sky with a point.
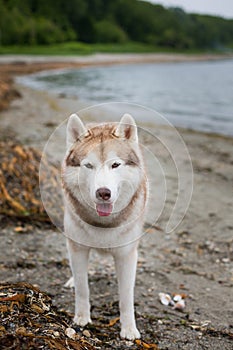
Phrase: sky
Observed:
(222, 8)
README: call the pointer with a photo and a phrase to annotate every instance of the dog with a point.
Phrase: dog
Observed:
(105, 194)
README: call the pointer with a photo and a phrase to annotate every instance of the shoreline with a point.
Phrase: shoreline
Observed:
(14, 65)
(18, 65)
(114, 58)
(45, 64)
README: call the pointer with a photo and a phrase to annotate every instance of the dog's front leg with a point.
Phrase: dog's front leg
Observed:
(126, 264)
(78, 256)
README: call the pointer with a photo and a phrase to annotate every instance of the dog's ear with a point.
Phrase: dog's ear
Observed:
(75, 130)
(127, 128)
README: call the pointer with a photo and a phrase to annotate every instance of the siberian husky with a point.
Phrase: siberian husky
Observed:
(105, 194)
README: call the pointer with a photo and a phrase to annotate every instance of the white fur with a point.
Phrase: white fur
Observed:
(75, 129)
(121, 242)
(126, 122)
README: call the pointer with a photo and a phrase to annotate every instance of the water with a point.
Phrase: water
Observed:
(197, 95)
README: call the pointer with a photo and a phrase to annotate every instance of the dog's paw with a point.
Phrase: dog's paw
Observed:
(130, 333)
(70, 283)
(82, 320)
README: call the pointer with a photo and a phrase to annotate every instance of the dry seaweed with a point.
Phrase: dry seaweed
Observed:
(19, 183)
(30, 321)
(7, 92)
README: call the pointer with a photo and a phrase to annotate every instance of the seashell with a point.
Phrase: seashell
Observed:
(180, 305)
(177, 297)
(70, 332)
(165, 299)
(86, 333)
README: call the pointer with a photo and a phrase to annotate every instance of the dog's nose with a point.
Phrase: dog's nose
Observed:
(103, 193)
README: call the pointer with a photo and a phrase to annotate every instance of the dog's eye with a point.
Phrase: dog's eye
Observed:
(115, 165)
(88, 166)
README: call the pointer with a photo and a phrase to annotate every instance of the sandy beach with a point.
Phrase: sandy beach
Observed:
(195, 259)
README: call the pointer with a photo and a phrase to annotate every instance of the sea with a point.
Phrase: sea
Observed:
(193, 95)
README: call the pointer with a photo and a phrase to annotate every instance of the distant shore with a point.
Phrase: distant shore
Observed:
(108, 58)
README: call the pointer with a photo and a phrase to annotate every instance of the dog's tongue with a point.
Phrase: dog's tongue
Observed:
(104, 209)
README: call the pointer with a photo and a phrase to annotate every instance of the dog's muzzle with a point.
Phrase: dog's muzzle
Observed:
(103, 208)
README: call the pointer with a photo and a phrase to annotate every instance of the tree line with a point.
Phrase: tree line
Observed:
(33, 22)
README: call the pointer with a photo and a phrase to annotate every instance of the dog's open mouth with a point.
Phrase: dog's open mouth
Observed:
(104, 209)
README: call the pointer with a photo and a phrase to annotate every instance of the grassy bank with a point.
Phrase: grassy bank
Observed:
(78, 48)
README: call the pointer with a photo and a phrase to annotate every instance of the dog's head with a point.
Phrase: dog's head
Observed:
(103, 166)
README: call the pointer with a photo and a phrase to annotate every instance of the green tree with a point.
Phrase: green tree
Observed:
(45, 22)
(109, 32)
